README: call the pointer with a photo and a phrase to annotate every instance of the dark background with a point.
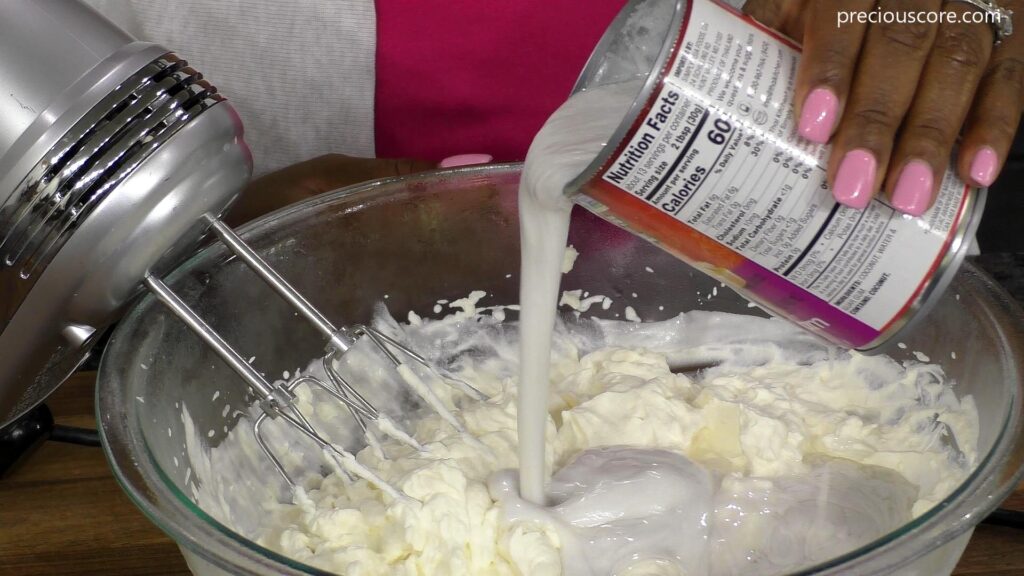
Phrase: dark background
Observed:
(1001, 233)
(1002, 226)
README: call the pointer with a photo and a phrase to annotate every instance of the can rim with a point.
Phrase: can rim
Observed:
(668, 45)
(934, 288)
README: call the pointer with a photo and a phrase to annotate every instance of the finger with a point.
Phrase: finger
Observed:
(307, 179)
(887, 74)
(333, 171)
(273, 191)
(995, 113)
(951, 76)
(406, 166)
(832, 43)
(786, 16)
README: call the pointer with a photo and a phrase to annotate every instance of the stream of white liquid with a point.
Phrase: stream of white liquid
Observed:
(567, 143)
(618, 510)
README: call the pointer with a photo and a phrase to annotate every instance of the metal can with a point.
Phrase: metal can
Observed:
(707, 164)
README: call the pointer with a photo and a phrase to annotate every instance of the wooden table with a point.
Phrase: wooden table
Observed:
(63, 513)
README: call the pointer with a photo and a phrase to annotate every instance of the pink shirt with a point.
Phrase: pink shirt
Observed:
(464, 76)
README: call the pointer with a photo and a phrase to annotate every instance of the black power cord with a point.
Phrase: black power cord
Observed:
(1006, 518)
(74, 435)
(22, 437)
(19, 439)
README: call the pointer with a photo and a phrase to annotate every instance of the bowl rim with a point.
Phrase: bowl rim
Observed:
(173, 512)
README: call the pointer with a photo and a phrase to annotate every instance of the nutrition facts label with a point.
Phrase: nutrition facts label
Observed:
(718, 152)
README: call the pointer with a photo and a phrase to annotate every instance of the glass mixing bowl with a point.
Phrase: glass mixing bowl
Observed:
(439, 235)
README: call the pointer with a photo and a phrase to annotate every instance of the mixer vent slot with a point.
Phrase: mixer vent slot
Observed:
(96, 155)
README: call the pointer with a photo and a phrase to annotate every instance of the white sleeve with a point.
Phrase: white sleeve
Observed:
(301, 74)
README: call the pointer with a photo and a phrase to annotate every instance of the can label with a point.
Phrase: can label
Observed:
(714, 172)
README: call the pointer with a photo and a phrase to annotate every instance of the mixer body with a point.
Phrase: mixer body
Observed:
(114, 153)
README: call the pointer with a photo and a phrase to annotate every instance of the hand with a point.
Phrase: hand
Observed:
(894, 98)
(312, 177)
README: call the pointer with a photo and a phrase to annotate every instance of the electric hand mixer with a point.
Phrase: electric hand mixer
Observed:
(116, 159)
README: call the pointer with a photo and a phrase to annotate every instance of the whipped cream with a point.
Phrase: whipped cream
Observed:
(795, 451)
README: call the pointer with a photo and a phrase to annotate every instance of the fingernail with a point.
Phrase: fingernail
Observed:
(465, 160)
(855, 180)
(818, 115)
(984, 165)
(913, 191)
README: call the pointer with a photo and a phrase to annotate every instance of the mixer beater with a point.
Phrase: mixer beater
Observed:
(279, 400)
(116, 157)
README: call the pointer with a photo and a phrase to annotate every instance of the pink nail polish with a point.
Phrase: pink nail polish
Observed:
(818, 115)
(465, 160)
(984, 166)
(855, 180)
(913, 191)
